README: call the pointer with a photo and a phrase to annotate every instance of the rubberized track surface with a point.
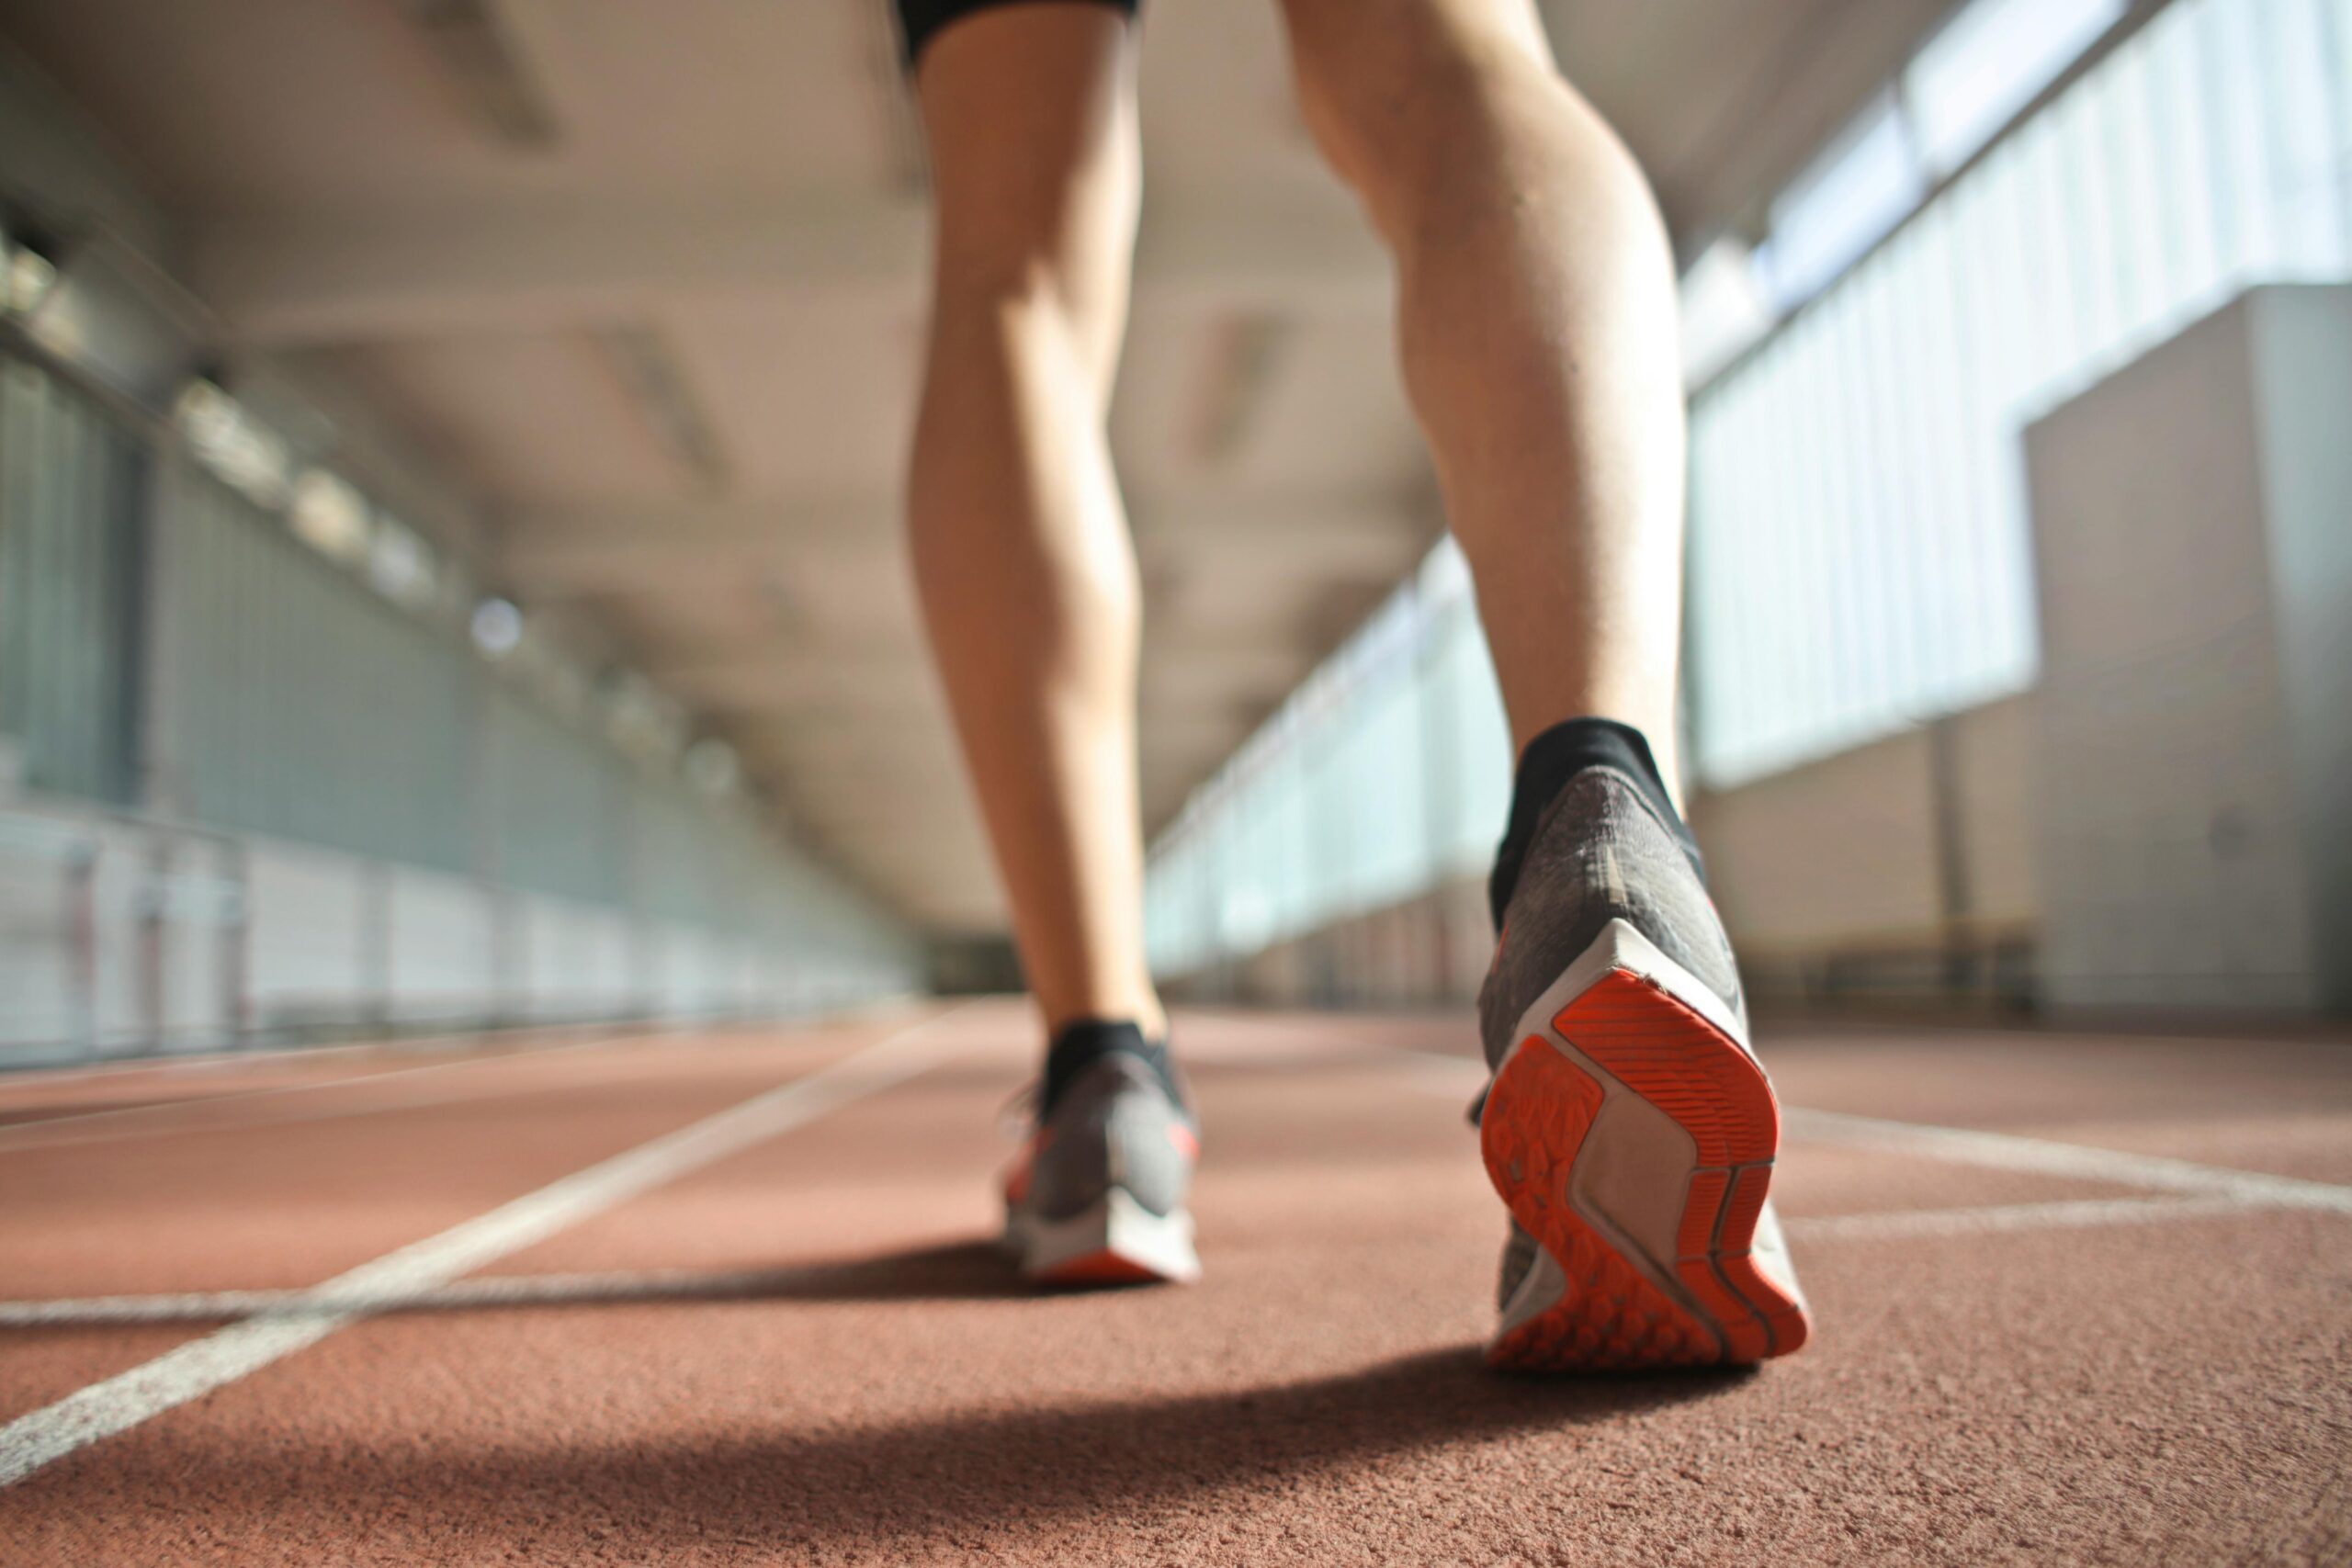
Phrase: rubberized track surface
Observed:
(724, 1298)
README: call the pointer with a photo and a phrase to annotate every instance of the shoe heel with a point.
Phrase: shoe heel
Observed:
(1688, 1067)
(1624, 1304)
(1114, 1241)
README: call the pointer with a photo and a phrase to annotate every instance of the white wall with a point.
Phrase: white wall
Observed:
(2182, 827)
(1841, 850)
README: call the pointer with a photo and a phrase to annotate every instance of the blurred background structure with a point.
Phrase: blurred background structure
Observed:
(450, 569)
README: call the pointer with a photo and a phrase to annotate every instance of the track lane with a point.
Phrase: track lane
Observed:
(285, 1206)
(835, 1371)
(193, 1370)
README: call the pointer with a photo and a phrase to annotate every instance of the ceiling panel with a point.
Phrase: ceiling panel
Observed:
(805, 397)
(340, 105)
(542, 416)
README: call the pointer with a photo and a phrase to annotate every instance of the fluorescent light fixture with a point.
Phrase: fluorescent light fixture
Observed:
(101, 306)
(230, 441)
(497, 627)
(401, 565)
(27, 280)
(330, 516)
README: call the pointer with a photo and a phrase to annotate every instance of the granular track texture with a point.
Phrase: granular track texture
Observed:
(814, 1352)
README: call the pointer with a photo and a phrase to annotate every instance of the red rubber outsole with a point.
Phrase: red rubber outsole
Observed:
(1611, 1315)
(1105, 1268)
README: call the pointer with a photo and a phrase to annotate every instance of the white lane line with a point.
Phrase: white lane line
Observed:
(2043, 1157)
(1441, 1073)
(222, 1357)
(483, 1291)
(687, 1284)
(34, 1132)
(2063, 1215)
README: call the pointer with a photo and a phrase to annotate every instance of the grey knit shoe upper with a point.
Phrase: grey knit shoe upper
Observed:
(1600, 853)
(1117, 1124)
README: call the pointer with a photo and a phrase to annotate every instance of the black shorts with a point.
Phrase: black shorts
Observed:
(919, 20)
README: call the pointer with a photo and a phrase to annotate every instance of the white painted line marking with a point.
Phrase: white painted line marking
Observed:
(2066, 1213)
(483, 1291)
(1441, 1073)
(2004, 1151)
(222, 1357)
(657, 1285)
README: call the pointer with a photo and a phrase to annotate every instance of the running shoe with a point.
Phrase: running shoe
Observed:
(1627, 1124)
(1097, 1194)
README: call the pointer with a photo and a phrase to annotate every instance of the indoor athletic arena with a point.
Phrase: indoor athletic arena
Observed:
(572, 739)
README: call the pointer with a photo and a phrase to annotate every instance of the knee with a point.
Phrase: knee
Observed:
(1392, 90)
(1045, 263)
(1045, 286)
(1051, 240)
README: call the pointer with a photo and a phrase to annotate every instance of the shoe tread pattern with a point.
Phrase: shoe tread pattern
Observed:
(1542, 1108)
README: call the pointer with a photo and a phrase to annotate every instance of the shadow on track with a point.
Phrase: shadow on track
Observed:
(896, 1491)
(964, 1270)
(969, 1271)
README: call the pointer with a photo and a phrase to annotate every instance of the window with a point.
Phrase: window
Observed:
(1867, 182)
(1723, 310)
(1988, 62)
(1954, 96)
(1861, 547)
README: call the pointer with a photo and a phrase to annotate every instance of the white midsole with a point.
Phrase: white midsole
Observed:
(1115, 1224)
(1620, 946)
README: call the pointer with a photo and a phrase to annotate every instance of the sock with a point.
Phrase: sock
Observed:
(1081, 1045)
(1551, 760)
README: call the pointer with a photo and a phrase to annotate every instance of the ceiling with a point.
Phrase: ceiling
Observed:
(642, 283)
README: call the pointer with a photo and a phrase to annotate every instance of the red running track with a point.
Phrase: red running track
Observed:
(2113, 1330)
